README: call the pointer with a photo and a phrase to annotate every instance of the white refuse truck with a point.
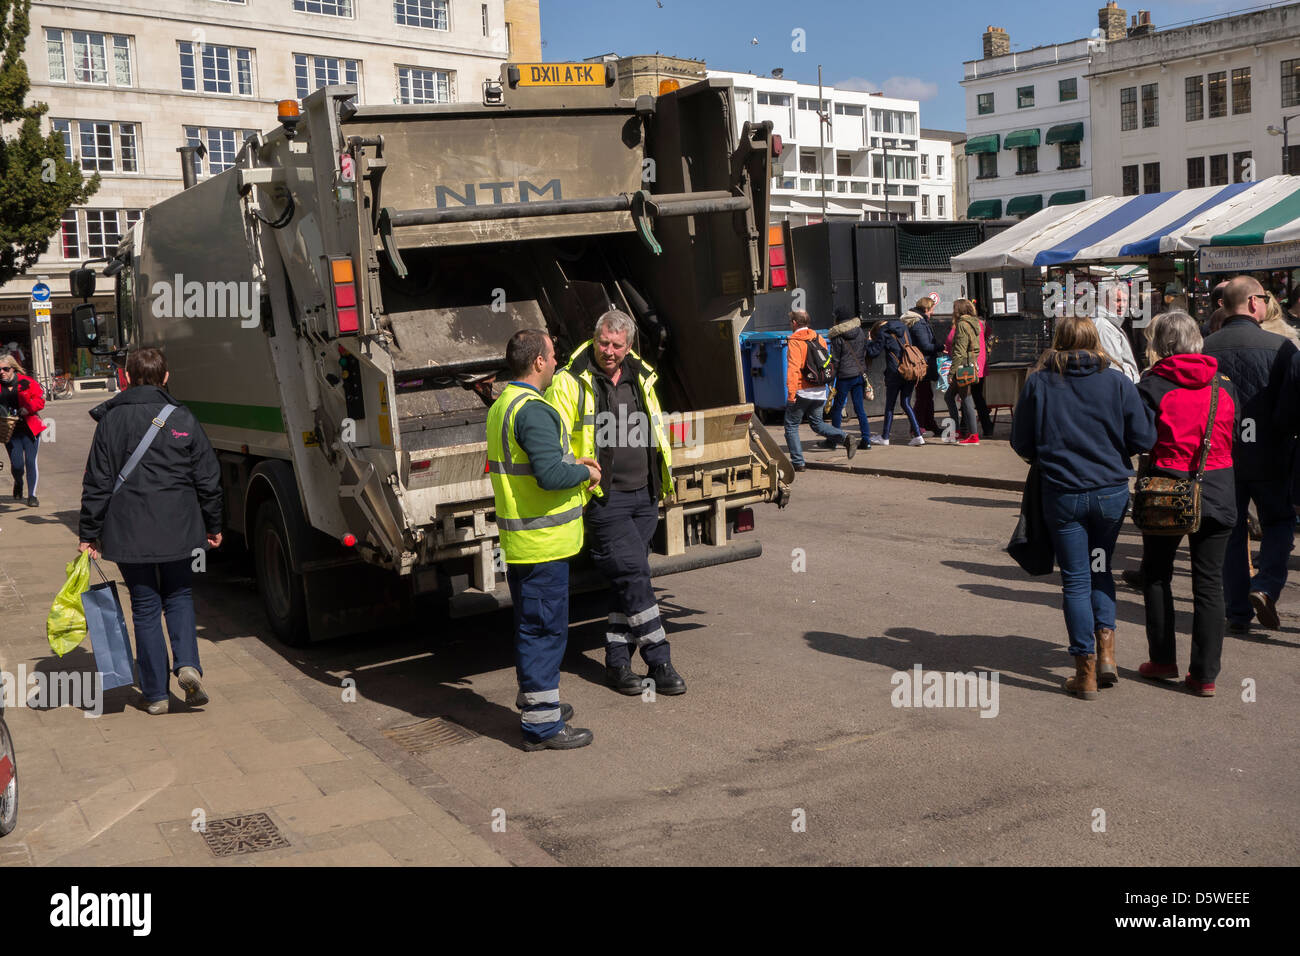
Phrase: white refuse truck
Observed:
(335, 310)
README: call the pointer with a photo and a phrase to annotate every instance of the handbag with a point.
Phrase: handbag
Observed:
(106, 627)
(1172, 506)
(1031, 542)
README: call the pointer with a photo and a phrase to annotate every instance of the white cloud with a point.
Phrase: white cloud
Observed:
(910, 88)
(858, 83)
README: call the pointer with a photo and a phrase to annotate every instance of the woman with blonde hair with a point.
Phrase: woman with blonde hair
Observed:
(1275, 320)
(21, 397)
(1081, 420)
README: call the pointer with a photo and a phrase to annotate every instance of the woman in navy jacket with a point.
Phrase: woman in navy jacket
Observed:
(1177, 389)
(893, 334)
(1082, 420)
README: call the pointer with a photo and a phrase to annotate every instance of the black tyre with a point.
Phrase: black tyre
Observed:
(283, 597)
(9, 768)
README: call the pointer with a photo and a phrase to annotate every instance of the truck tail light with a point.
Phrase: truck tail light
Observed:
(421, 465)
(744, 520)
(777, 145)
(345, 295)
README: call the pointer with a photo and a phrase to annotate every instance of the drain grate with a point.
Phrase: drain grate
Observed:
(429, 735)
(249, 833)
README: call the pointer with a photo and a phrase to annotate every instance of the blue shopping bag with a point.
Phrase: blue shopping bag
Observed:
(106, 628)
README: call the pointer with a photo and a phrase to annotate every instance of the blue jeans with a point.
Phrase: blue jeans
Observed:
(900, 389)
(540, 593)
(158, 589)
(843, 389)
(1277, 521)
(795, 413)
(22, 450)
(1082, 524)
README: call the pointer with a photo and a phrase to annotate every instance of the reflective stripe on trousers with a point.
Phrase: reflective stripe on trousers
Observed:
(620, 528)
(540, 593)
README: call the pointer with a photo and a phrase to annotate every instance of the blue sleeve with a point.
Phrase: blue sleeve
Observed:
(537, 429)
(923, 337)
(1139, 420)
(874, 347)
(1024, 420)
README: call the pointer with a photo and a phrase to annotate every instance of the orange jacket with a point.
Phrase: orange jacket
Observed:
(796, 352)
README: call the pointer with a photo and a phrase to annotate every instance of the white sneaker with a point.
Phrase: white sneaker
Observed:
(918, 440)
(879, 441)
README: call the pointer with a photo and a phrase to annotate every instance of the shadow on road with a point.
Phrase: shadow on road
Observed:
(980, 503)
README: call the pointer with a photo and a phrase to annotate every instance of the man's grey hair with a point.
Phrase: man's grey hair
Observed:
(617, 322)
(1173, 333)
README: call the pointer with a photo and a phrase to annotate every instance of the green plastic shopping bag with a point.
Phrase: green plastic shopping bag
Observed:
(66, 626)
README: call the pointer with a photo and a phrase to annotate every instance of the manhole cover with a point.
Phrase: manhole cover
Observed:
(429, 735)
(249, 833)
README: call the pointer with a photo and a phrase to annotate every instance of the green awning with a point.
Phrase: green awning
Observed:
(1020, 139)
(1024, 205)
(985, 209)
(1251, 232)
(1065, 133)
(982, 144)
(1067, 198)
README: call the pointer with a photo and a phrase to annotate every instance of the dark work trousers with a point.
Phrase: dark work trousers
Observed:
(1208, 546)
(982, 409)
(1277, 521)
(158, 589)
(619, 531)
(540, 593)
(923, 405)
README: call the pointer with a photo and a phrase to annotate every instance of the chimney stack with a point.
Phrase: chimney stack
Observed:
(1142, 25)
(1111, 20)
(996, 42)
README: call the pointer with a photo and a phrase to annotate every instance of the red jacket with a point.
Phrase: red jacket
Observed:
(26, 395)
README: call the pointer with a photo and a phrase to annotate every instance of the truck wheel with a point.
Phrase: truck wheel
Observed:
(9, 795)
(282, 592)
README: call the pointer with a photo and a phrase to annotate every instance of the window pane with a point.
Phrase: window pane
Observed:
(54, 51)
(330, 8)
(1290, 82)
(68, 231)
(1195, 172)
(244, 68)
(192, 139)
(431, 14)
(985, 103)
(939, 207)
(1194, 97)
(221, 149)
(101, 232)
(1130, 174)
(64, 127)
(1028, 159)
(1128, 108)
(1150, 105)
(1069, 89)
(121, 61)
(126, 139)
(1241, 90)
(187, 66)
(1151, 177)
(89, 59)
(1024, 97)
(1218, 83)
(1219, 170)
(423, 86)
(300, 77)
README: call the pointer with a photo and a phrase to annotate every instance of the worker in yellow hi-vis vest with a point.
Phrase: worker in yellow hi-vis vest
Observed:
(539, 500)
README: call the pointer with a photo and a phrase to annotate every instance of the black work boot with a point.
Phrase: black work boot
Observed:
(623, 679)
(667, 681)
(569, 738)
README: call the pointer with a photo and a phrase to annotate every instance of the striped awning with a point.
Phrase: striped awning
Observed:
(1115, 228)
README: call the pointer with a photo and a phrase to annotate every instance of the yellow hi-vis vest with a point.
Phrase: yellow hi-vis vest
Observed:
(535, 525)
(573, 393)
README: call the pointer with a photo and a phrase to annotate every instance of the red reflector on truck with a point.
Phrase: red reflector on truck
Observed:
(743, 419)
(345, 295)
(347, 320)
(421, 465)
(778, 279)
(744, 520)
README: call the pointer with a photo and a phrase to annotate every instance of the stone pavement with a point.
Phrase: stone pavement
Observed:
(128, 788)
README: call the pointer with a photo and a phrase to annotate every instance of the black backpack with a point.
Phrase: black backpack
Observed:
(816, 364)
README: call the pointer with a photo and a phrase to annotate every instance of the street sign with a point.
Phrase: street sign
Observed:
(40, 292)
(42, 314)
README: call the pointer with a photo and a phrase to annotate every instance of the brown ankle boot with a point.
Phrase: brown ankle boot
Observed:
(1084, 682)
(1107, 672)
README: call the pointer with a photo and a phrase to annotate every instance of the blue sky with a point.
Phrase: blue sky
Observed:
(912, 49)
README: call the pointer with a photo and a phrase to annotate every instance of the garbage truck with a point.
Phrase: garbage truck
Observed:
(335, 309)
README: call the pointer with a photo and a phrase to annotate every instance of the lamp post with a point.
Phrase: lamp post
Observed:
(1283, 132)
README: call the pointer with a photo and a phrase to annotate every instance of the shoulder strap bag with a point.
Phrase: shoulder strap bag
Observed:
(150, 434)
(1172, 506)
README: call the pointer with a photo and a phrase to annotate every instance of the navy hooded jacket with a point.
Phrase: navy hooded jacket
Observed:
(1083, 426)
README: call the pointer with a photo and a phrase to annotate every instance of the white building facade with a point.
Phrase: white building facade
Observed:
(1192, 106)
(128, 83)
(867, 139)
(939, 171)
(1028, 136)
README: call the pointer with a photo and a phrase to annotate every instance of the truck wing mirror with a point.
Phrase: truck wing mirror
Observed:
(81, 282)
(88, 332)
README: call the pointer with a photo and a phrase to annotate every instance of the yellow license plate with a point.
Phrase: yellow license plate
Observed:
(561, 74)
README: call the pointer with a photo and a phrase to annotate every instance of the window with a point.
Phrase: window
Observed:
(984, 103)
(1068, 89)
(893, 121)
(938, 164)
(1241, 90)
(1024, 97)
(1070, 156)
(423, 86)
(1130, 174)
(94, 233)
(807, 162)
(1219, 170)
(925, 207)
(485, 19)
(329, 8)
(849, 109)
(313, 72)
(988, 166)
(1290, 82)
(774, 99)
(1218, 95)
(1027, 160)
(102, 59)
(859, 187)
(222, 144)
(103, 147)
(1195, 172)
(226, 69)
(811, 105)
(843, 164)
(432, 14)
(1151, 177)
(1292, 159)
(925, 166)
(938, 204)
(1194, 97)
(1150, 105)
(1128, 115)
(1243, 167)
